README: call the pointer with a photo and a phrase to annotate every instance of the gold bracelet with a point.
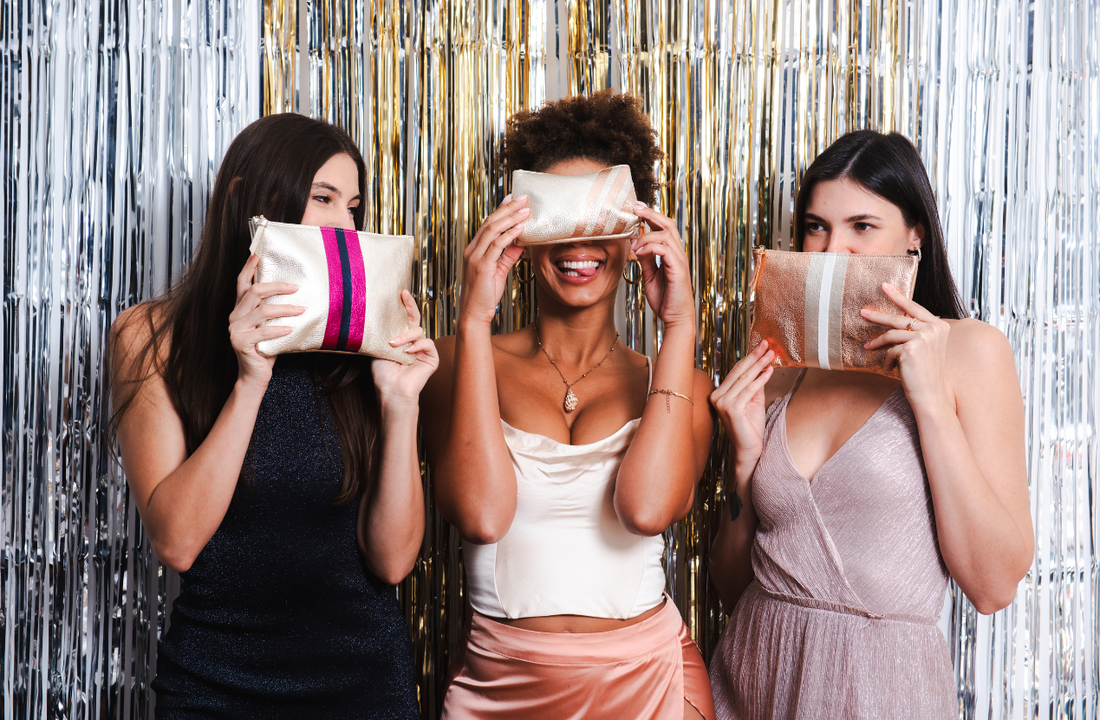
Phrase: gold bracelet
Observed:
(668, 397)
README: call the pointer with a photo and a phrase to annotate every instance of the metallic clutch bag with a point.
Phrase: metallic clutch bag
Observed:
(807, 306)
(349, 283)
(568, 208)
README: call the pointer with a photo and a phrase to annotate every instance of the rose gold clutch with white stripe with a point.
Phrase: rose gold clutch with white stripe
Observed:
(807, 306)
(569, 208)
(349, 282)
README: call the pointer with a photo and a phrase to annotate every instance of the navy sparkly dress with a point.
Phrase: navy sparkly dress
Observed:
(278, 617)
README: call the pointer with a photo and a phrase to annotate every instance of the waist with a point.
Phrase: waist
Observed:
(833, 607)
(630, 638)
(575, 623)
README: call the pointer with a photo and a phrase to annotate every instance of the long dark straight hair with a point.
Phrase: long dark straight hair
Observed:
(268, 170)
(890, 167)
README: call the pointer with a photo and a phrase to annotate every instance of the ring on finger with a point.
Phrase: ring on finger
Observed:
(912, 322)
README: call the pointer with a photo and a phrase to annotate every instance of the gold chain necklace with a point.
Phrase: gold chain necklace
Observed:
(570, 402)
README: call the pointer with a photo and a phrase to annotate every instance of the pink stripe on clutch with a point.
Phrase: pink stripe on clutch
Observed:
(335, 290)
(358, 291)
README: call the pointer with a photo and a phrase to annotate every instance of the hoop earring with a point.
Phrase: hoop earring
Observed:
(530, 271)
(916, 251)
(638, 275)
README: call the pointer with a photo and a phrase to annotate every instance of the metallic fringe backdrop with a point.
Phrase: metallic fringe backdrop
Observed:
(114, 115)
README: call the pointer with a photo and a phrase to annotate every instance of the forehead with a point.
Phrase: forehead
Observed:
(340, 169)
(842, 197)
(575, 166)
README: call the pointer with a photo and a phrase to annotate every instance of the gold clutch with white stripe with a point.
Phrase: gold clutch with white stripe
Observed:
(807, 306)
(571, 208)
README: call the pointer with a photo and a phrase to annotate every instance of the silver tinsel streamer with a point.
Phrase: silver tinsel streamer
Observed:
(113, 117)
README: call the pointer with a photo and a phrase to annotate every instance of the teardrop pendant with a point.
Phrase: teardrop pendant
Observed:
(570, 403)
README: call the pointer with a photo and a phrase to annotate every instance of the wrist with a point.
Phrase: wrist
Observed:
(250, 389)
(470, 325)
(399, 406)
(684, 326)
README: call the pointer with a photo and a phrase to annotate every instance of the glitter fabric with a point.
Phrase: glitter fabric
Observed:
(278, 617)
(841, 619)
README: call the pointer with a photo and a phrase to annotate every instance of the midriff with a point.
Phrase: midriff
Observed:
(576, 623)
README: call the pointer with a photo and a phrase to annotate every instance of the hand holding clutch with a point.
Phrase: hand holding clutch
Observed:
(349, 282)
(807, 305)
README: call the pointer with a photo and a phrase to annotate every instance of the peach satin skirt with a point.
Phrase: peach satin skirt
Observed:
(642, 672)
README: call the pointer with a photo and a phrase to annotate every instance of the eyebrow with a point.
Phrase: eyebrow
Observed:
(852, 219)
(333, 189)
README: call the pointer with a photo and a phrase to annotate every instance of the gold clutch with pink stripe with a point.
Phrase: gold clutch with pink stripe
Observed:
(807, 306)
(571, 208)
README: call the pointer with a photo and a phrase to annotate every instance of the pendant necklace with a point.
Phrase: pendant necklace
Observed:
(570, 402)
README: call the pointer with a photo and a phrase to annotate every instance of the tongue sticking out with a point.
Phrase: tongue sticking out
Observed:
(579, 269)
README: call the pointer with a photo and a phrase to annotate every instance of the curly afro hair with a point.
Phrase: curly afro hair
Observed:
(602, 127)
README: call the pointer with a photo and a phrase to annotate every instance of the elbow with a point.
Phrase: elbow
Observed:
(644, 522)
(394, 573)
(990, 603)
(175, 556)
(483, 530)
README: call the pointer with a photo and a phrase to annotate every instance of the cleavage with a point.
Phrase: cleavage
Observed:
(826, 410)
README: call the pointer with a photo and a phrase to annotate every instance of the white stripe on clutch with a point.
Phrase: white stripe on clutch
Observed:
(601, 200)
(823, 329)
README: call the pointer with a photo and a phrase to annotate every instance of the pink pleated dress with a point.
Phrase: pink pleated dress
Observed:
(840, 621)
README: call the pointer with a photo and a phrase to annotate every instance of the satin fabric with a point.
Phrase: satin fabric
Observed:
(566, 552)
(641, 672)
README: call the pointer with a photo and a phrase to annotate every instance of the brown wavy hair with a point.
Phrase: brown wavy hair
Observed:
(603, 127)
(268, 170)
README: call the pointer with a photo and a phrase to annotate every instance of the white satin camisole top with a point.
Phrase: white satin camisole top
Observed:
(566, 553)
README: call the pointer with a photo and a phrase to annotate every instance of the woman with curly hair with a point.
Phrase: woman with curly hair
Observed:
(561, 510)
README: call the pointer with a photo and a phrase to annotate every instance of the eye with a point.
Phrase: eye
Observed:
(322, 198)
(813, 227)
(862, 227)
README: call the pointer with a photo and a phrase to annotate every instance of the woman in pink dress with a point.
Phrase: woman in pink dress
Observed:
(858, 496)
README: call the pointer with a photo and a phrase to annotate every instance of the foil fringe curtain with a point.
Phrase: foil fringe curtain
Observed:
(114, 115)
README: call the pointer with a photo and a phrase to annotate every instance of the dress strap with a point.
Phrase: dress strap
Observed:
(774, 409)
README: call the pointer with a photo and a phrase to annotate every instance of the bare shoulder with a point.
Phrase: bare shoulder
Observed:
(979, 359)
(976, 344)
(130, 354)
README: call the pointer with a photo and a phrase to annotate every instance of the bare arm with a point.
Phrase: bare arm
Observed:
(741, 401)
(475, 485)
(961, 381)
(656, 483)
(182, 500)
(390, 528)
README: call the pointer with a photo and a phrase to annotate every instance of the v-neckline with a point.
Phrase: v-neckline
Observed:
(787, 447)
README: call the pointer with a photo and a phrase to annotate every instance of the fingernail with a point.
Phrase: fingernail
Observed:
(633, 244)
(294, 286)
(638, 205)
(520, 226)
(523, 211)
(300, 308)
(521, 198)
(864, 312)
(507, 198)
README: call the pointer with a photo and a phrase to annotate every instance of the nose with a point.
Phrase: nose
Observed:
(834, 243)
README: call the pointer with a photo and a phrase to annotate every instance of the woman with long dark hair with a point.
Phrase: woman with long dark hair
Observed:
(857, 495)
(286, 491)
(561, 455)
